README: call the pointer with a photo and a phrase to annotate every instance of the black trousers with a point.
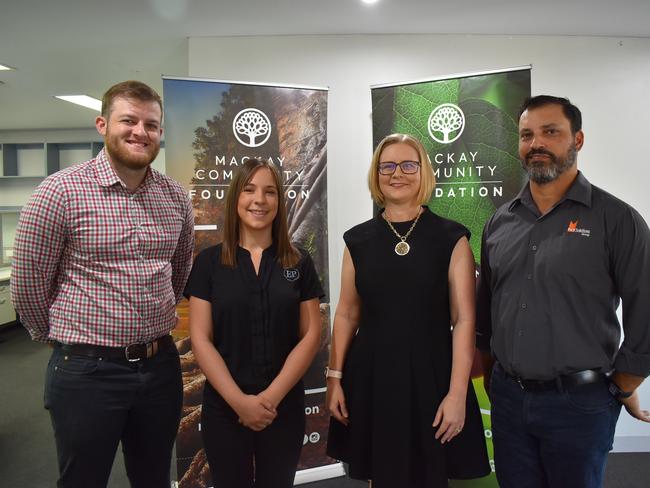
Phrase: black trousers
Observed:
(96, 403)
(242, 458)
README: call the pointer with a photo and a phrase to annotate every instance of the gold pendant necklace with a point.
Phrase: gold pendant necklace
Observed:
(402, 248)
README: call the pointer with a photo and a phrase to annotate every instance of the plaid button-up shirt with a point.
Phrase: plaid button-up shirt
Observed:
(97, 264)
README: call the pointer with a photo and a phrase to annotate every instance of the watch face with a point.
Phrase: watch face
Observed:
(617, 392)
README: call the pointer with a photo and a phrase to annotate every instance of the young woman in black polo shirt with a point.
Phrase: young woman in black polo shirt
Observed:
(255, 329)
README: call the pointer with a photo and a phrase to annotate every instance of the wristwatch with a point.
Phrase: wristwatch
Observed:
(618, 393)
(333, 373)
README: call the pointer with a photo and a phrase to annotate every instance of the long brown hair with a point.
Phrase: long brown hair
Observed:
(286, 252)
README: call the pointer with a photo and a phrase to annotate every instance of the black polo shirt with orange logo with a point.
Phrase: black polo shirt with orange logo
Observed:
(551, 284)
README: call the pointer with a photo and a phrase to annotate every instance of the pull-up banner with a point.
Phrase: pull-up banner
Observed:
(211, 129)
(469, 127)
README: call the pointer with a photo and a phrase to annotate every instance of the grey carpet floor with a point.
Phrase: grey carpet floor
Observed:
(27, 452)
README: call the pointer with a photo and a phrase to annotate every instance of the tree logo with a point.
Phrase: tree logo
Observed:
(251, 127)
(445, 120)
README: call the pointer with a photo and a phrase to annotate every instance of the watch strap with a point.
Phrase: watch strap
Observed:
(618, 393)
(333, 373)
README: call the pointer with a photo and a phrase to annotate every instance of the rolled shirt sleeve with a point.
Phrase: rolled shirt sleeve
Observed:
(630, 262)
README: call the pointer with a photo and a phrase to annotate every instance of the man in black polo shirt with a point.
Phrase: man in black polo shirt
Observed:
(555, 263)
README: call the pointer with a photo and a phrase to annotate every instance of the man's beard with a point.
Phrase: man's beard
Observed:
(120, 154)
(542, 172)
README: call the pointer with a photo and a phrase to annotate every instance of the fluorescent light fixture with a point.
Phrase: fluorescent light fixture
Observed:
(83, 100)
(4, 67)
(369, 1)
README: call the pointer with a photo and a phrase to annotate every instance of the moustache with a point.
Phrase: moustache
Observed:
(533, 152)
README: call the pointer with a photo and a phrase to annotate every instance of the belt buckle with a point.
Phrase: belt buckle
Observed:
(126, 353)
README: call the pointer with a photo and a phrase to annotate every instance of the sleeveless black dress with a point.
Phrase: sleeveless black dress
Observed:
(398, 367)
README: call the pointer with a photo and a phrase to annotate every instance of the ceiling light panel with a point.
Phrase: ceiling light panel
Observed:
(83, 100)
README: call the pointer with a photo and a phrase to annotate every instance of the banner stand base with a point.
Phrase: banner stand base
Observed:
(309, 475)
(319, 473)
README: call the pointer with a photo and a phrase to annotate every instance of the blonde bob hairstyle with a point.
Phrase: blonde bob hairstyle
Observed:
(427, 178)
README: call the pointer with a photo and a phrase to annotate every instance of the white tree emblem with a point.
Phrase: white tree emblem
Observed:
(251, 124)
(446, 119)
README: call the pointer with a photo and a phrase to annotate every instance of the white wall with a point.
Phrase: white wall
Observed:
(608, 78)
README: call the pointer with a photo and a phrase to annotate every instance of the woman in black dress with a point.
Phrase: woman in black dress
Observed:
(398, 388)
(255, 329)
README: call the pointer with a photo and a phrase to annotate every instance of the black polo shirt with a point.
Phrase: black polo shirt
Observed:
(550, 285)
(256, 317)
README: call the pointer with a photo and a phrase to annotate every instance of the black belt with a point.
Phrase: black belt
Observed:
(132, 352)
(561, 383)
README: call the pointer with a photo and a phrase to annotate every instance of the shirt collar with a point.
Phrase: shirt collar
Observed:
(271, 250)
(107, 177)
(579, 191)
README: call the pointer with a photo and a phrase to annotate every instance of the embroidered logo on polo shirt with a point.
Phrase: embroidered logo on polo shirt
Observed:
(574, 229)
(291, 274)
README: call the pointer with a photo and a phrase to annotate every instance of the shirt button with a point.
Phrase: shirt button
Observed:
(529, 276)
(524, 306)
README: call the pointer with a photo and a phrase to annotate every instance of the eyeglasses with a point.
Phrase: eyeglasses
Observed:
(407, 167)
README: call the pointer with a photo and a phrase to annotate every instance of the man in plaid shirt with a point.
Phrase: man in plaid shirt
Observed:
(102, 253)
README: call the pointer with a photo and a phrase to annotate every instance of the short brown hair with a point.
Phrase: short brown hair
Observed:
(287, 254)
(571, 112)
(132, 90)
(427, 178)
